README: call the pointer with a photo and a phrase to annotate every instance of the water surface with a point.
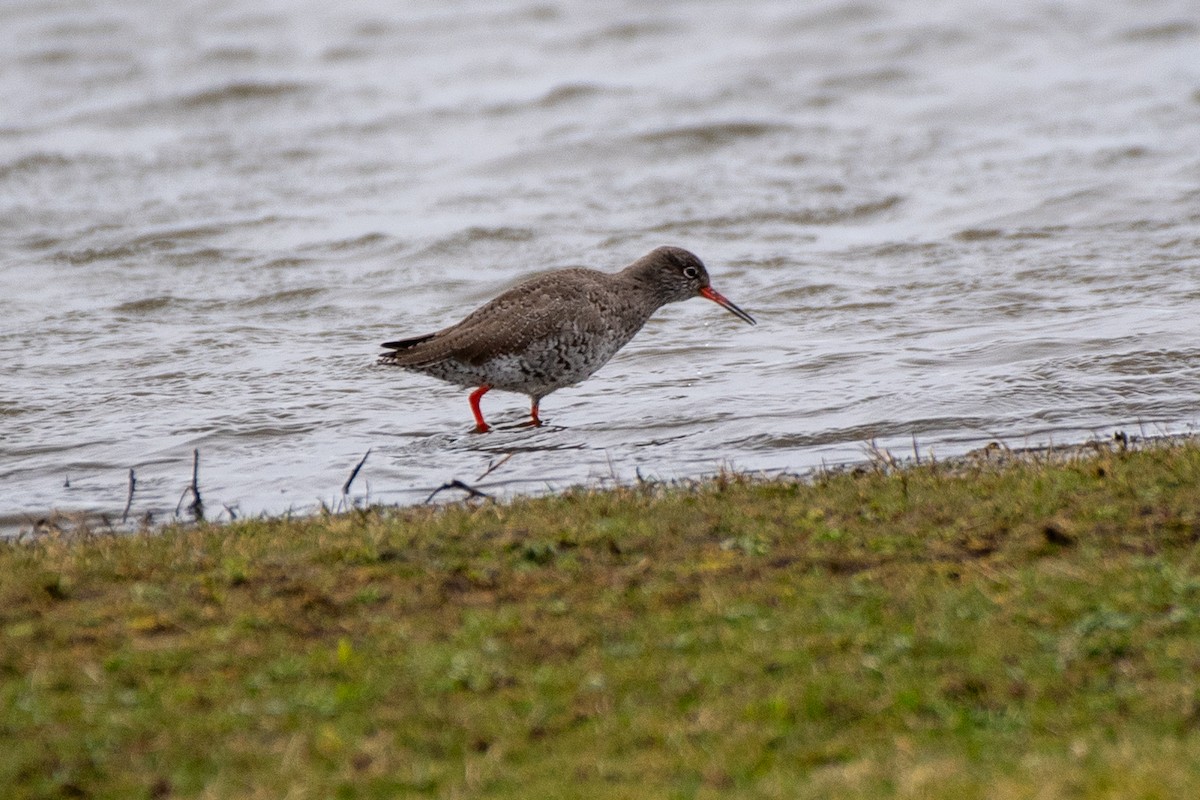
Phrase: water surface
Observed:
(954, 222)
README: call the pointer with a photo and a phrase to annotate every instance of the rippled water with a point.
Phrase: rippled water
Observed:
(953, 221)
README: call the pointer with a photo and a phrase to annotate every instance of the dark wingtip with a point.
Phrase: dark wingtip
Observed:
(404, 344)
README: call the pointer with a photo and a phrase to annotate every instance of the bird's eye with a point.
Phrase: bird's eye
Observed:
(690, 272)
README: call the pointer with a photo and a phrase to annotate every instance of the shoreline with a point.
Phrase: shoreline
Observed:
(994, 454)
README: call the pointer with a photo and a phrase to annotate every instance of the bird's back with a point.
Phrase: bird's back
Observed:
(550, 331)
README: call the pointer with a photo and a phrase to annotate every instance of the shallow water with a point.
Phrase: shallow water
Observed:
(954, 222)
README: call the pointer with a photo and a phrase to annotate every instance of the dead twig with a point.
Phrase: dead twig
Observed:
(457, 484)
(182, 495)
(129, 499)
(354, 473)
(197, 505)
(495, 465)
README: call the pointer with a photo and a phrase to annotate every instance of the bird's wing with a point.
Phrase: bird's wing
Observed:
(511, 322)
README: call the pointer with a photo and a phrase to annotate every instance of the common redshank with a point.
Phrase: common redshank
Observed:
(556, 329)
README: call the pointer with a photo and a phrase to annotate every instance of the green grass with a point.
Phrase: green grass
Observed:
(1031, 631)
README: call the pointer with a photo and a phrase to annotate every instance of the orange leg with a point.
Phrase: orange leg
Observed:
(535, 421)
(480, 425)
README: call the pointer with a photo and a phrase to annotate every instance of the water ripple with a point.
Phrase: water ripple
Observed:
(982, 227)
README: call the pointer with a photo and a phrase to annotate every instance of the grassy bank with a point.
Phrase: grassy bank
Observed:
(1026, 631)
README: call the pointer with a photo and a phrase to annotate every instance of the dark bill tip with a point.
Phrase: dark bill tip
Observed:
(725, 303)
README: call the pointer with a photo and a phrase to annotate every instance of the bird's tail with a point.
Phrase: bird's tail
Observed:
(400, 349)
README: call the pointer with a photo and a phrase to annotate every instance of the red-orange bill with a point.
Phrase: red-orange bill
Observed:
(726, 303)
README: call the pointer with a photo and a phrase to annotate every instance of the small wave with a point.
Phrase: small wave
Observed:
(83, 27)
(164, 248)
(568, 93)
(55, 56)
(860, 435)
(93, 255)
(146, 305)
(837, 214)
(367, 241)
(871, 79)
(232, 55)
(1041, 232)
(169, 244)
(987, 234)
(807, 292)
(165, 238)
(474, 235)
(892, 249)
(647, 145)
(286, 297)
(1182, 29)
(41, 241)
(558, 96)
(1115, 155)
(624, 32)
(1136, 364)
(825, 215)
(11, 409)
(241, 92)
(978, 234)
(286, 262)
(245, 430)
(345, 52)
(710, 135)
(835, 15)
(35, 162)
